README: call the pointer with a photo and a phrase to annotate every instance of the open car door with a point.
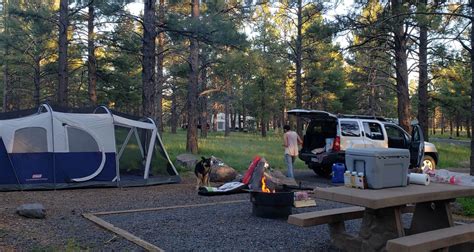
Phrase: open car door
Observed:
(417, 146)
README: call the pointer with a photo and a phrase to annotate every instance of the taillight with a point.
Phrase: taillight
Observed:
(337, 144)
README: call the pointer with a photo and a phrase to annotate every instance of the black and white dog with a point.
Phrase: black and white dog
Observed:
(203, 171)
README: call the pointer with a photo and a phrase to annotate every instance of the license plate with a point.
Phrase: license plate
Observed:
(314, 159)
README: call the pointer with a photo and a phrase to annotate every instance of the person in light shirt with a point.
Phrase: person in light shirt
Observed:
(291, 140)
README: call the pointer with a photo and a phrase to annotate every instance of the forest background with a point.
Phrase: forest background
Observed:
(181, 62)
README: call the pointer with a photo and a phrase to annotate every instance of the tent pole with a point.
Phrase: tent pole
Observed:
(150, 154)
(50, 110)
(125, 143)
(166, 153)
(139, 142)
(119, 155)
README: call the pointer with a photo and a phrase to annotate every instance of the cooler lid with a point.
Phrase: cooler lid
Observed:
(378, 152)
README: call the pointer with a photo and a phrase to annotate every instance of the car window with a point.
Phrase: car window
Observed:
(416, 136)
(350, 128)
(394, 132)
(373, 130)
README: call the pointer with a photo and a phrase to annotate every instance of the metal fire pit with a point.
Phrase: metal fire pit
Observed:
(271, 205)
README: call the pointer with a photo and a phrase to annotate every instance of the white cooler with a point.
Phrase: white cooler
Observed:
(383, 167)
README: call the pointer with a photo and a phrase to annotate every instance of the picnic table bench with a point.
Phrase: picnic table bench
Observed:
(381, 211)
(434, 240)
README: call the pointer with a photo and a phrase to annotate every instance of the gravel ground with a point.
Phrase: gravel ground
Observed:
(217, 227)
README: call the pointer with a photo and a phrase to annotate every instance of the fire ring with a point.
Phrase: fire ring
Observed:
(271, 205)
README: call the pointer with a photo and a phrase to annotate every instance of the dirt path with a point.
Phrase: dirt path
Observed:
(64, 228)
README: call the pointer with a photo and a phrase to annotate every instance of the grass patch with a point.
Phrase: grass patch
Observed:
(447, 135)
(467, 205)
(453, 156)
(236, 150)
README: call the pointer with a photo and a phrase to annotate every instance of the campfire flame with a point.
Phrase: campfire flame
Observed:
(264, 186)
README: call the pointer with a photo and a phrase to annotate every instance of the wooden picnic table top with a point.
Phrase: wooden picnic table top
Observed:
(395, 196)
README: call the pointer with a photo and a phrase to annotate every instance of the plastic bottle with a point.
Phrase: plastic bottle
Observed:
(453, 178)
(338, 172)
(466, 180)
(358, 181)
(441, 176)
(353, 179)
(361, 181)
(347, 178)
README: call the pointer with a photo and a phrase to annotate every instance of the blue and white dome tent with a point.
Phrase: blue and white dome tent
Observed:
(51, 150)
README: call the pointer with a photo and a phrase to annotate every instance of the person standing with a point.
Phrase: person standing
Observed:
(291, 140)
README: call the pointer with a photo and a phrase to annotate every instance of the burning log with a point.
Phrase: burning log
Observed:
(274, 180)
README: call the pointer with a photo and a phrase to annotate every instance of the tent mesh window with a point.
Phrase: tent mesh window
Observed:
(159, 162)
(81, 141)
(31, 139)
(132, 156)
(131, 162)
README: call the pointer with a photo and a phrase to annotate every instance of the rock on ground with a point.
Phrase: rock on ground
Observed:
(223, 174)
(187, 160)
(34, 210)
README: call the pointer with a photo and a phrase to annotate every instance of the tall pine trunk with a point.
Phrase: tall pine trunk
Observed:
(6, 83)
(284, 101)
(468, 128)
(401, 65)
(174, 111)
(62, 92)
(227, 111)
(148, 62)
(214, 121)
(423, 77)
(191, 138)
(458, 124)
(263, 108)
(37, 80)
(371, 86)
(443, 126)
(203, 104)
(91, 59)
(299, 63)
(472, 89)
(233, 117)
(451, 127)
(6, 106)
(245, 126)
(160, 78)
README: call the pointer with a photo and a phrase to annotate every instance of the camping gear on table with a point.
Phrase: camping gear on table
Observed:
(338, 170)
(48, 149)
(449, 177)
(419, 178)
(383, 167)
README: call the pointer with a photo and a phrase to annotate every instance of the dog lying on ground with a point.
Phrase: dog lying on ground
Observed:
(203, 171)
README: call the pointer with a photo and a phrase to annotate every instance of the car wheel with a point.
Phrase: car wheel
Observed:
(428, 164)
(322, 171)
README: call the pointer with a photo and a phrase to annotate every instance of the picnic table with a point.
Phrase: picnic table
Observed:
(382, 211)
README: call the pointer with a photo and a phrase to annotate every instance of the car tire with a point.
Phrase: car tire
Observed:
(322, 171)
(428, 163)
